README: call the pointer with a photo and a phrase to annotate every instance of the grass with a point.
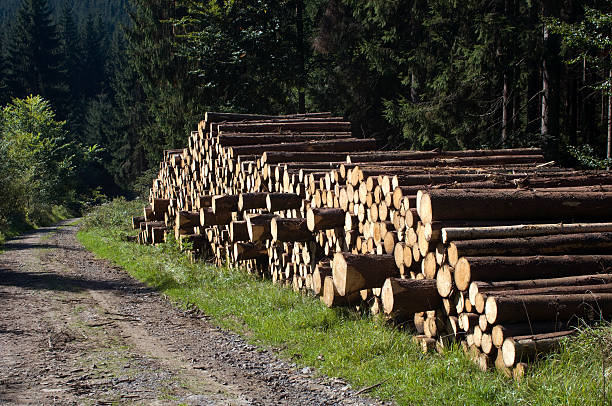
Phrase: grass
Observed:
(341, 343)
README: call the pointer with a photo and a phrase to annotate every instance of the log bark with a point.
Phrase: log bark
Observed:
(236, 139)
(583, 243)
(403, 155)
(275, 157)
(283, 201)
(332, 298)
(468, 161)
(521, 348)
(281, 127)
(239, 231)
(340, 145)
(136, 222)
(290, 229)
(500, 268)
(209, 218)
(512, 205)
(224, 203)
(521, 230)
(159, 206)
(259, 226)
(204, 201)
(318, 278)
(481, 298)
(187, 219)
(515, 309)
(353, 273)
(492, 287)
(250, 201)
(502, 331)
(244, 251)
(325, 219)
(408, 296)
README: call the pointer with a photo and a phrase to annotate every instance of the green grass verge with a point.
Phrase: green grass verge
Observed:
(345, 344)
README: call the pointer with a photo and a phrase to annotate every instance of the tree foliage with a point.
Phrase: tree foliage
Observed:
(41, 162)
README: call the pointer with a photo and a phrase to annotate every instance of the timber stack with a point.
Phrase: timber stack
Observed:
(496, 250)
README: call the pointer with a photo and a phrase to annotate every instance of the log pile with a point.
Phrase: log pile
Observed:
(495, 249)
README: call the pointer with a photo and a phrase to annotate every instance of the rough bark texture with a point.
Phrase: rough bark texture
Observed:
(470, 269)
(513, 205)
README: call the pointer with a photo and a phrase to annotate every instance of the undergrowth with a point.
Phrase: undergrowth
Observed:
(343, 343)
(14, 226)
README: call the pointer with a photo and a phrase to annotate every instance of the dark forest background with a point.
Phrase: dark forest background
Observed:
(132, 77)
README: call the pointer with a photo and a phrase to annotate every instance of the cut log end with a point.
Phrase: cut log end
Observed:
(444, 281)
(462, 274)
(491, 310)
(339, 269)
(424, 208)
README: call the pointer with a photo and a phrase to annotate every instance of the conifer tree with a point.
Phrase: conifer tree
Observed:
(72, 53)
(4, 89)
(94, 57)
(171, 94)
(35, 65)
(127, 146)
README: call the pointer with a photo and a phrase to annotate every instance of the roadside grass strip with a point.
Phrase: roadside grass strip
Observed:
(342, 343)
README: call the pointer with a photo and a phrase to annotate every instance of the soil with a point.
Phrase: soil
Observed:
(76, 330)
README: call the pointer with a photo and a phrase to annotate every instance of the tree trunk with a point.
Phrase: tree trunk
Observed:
(522, 230)
(488, 287)
(325, 218)
(290, 230)
(609, 146)
(502, 331)
(224, 203)
(409, 296)
(283, 201)
(559, 244)
(512, 205)
(259, 226)
(353, 273)
(300, 53)
(239, 231)
(249, 201)
(498, 268)
(515, 309)
(244, 251)
(520, 348)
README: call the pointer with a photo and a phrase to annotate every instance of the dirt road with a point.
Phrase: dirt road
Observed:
(77, 330)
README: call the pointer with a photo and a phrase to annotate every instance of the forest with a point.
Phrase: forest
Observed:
(93, 91)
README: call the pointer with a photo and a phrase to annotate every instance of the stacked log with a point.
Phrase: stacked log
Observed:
(452, 243)
(525, 265)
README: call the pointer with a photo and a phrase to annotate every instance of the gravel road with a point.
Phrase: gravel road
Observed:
(76, 330)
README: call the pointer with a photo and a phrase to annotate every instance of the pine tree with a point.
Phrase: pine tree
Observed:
(171, 93)
(4, 90)
(126, 146)
(94, 57)
(35, 65)
(72, 56)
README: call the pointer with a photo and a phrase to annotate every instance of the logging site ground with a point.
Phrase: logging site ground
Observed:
(138, 324)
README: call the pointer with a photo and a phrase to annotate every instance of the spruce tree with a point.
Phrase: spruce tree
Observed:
(71, 47)
(171, 93)
(4, 90)
(129, 112)
(35, 65)
(94, 57)
(72, 61)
